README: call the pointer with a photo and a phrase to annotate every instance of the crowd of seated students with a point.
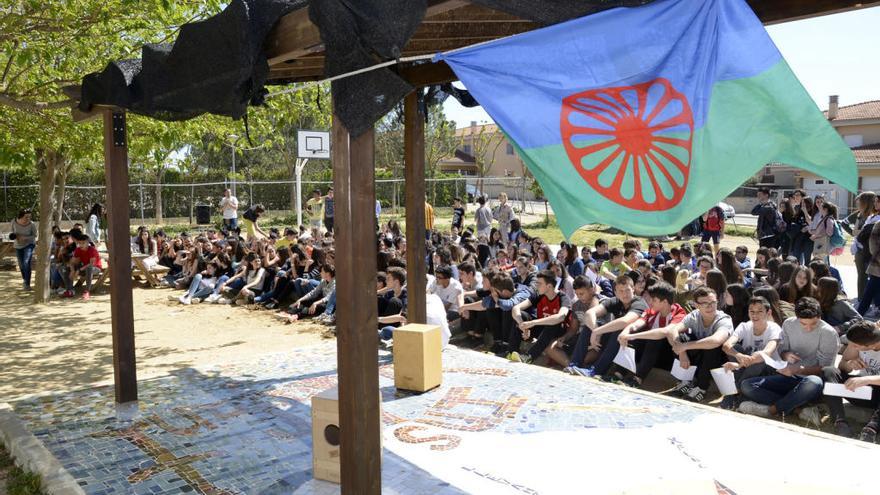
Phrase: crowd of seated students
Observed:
(783, 328)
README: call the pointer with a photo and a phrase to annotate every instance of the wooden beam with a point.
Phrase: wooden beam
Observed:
(779, 11)
(121, 306)
(356, 315)
(414, 174)
(295, 36)
(428, 74)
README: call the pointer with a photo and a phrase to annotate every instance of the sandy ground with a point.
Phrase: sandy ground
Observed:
(67, 343)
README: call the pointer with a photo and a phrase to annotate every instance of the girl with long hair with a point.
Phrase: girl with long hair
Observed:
(736, 303)
(799, 285)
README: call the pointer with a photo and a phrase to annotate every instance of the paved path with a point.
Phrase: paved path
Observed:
(491, 427)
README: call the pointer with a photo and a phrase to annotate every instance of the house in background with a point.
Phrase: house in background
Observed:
(859, 126)
(496, 149)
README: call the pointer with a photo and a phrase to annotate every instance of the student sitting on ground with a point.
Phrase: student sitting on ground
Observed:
(623, 309)
(202, 285)
(85, 263)
(862, 355)
(448, 290)
(313, 303)
(747, 347)
(615, 266)
(697, 342)
(650, 332)
(550, 321)
(249, 272)
(503, 297)
(808, 345)
(587, 297)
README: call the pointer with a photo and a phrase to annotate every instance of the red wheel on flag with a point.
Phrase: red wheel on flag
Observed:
(632, 144)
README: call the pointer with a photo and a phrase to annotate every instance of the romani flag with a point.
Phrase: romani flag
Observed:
(643, 118)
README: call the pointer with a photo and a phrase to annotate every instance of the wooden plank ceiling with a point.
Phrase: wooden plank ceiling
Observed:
(296, 53)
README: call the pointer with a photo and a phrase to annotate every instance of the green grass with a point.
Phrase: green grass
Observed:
(18, 481)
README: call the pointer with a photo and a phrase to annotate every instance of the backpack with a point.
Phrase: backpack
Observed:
(779, 223)
(864, 239)
(837, 240)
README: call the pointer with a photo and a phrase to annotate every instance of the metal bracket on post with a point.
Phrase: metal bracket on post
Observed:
(119, 129)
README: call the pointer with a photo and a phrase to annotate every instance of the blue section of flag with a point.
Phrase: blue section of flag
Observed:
(693, 43)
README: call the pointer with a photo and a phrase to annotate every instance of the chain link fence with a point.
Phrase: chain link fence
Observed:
(179, 201)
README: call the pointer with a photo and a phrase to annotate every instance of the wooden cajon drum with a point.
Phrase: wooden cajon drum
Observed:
(417, 363)
(325, 435)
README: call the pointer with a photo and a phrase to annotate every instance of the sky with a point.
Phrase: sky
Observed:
(831, 55)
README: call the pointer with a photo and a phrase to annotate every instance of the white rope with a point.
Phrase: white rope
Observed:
(349, 74)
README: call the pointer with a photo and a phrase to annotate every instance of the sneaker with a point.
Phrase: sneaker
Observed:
(569, 370)
(868, 434)
(585, 372)
(514, 357)
(811, 416)
(271, 305)
(213, 298)
(755, 409)
(730, 402)
(330, 320)
(86, 296)
(195, 300)
(182, 300)
(67, 294)
(321, 318)
(841, 427)
(27, 287)
(696, 395)
(683, 387)
(632, 381)
(224, 300)
(174, 298)
(59, 292)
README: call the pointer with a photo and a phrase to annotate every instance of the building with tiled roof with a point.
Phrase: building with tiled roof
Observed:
(859, 126)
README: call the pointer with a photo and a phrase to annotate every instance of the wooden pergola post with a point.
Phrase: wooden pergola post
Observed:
(414, 160)
(356, 314)
(118, 245)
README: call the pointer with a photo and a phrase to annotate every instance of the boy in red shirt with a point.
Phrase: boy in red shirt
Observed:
(85, 262)
(653, 346)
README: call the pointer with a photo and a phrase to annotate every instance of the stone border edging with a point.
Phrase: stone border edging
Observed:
(30, 454)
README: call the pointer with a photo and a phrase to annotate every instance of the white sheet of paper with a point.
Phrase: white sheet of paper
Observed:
(839, 390)
(777, 365)
(724, 380)
(681, 373)
(626, 357)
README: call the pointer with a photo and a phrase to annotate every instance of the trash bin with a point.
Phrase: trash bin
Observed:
(203, 214)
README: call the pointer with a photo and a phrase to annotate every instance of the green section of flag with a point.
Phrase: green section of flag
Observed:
(751, 122)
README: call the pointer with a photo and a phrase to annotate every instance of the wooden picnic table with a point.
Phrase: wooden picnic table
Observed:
(153, 275)
(7, 248)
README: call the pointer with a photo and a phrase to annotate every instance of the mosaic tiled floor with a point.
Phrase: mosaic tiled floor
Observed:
(492, 427)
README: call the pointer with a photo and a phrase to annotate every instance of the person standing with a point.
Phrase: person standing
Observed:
(429, 220)
(93, 223)
(457, 215)
(314, 211)
(483, 217)
(864, 216)
(329, 211)
(504, 215)
(229, 207)
(713, 227)
(24, 233)
(251, 216)
(765, 210)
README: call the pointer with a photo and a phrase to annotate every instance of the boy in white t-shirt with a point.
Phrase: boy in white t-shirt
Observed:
(861, 356)
(749, 343)
(448, 290)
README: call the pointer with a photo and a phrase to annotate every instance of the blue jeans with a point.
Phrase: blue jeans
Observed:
(387, 333)
(331, 303)
(787, 393)
(25, 257)
(871, 294)
(303, 286)
(220, 281)
(607, 353)
(231, 223)
(195, 289)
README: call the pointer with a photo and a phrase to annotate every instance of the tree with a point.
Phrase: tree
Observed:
(440, 143)
(50, 45)
(484, 141)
